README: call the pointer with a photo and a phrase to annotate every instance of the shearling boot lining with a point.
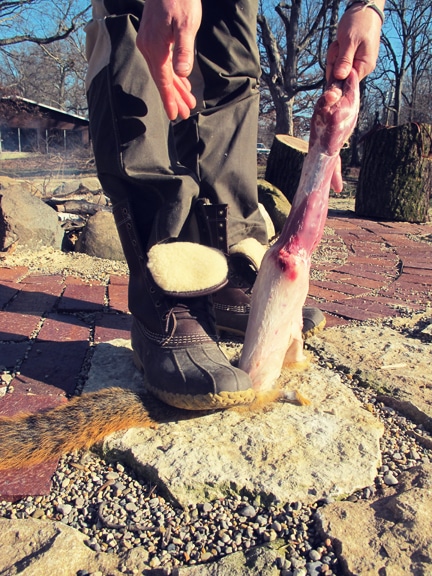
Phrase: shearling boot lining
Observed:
(187, 269)
(250, 248)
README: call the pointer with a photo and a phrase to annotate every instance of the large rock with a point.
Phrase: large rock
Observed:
(259, 561)
(27, 220)
(275, 202)
(391, 536)
(395, 365)
(42, 548)
(90, 183)
(72, 186)
(100, 237)
(285, 451)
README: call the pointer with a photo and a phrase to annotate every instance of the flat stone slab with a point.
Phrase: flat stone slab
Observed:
(284, 451)
(396, 365)
(391, 535)
(43, 547)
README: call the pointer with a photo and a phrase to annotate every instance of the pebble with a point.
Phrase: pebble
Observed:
(118, 512)
(79, 502)
(300, 572)
(207, 507)
(64, 509)
(248, 511)
(314, 568)
(314, 555)
(390, 479)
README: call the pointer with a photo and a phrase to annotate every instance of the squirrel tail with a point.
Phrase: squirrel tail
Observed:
(28, 439)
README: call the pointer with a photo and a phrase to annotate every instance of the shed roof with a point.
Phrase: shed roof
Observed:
(18, 112)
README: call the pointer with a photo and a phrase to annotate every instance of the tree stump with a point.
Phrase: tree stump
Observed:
(395, 180)
(284, 163)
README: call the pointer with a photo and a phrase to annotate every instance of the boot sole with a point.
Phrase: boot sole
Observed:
(198, 401)
(318, 328)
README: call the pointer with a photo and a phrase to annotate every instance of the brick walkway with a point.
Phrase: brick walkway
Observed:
(48, 324)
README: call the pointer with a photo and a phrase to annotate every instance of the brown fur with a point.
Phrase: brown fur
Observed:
(28, 439)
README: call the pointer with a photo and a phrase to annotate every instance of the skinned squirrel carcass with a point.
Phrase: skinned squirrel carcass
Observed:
(274, 329)
(274, 332)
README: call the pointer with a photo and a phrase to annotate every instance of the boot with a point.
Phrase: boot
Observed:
(232, 302)
(173, 330)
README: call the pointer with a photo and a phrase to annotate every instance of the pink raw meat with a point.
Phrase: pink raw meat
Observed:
(274, 332)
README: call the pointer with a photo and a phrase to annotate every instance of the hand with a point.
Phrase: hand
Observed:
(357, 43)
(334, 119)
(166, 38)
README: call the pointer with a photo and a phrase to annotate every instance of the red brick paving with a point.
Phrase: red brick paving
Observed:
(80, 296)
(49, 323)
(112, 326)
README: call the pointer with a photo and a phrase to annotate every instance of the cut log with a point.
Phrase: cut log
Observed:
(284, 163)
(395, 180)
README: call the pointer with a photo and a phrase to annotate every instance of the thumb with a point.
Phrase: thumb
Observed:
(344, 62)
(183, 56)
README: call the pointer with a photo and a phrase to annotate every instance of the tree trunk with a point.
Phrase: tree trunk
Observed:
(395, 180)
(284, 163)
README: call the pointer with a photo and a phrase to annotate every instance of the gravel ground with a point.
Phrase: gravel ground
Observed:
(118, 511)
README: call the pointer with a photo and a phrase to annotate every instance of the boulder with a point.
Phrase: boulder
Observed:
(100, 238)
(90, 183)
(26, 220)
(275, 203)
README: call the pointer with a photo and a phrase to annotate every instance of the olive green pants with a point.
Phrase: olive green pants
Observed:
(162, 168)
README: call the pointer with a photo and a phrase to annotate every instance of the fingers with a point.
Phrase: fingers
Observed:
(342, 58)
(184, 98)
(336, 181)
(175, 92)
(166, 38)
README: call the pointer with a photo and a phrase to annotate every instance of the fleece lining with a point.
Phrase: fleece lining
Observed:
(250, 248)
(187, 268)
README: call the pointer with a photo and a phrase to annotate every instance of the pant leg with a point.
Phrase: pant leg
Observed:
(219, 141)
(132, 138)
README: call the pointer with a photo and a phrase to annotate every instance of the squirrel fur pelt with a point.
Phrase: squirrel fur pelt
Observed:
(29, 439)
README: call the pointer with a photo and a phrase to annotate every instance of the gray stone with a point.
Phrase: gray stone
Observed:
(90, 183)
(389, 536)
(288, 452)
(27, 220)
(66, 188)
(387, 360)
(100, 238)
(260, 561)
(112, 365)
(38, 548)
